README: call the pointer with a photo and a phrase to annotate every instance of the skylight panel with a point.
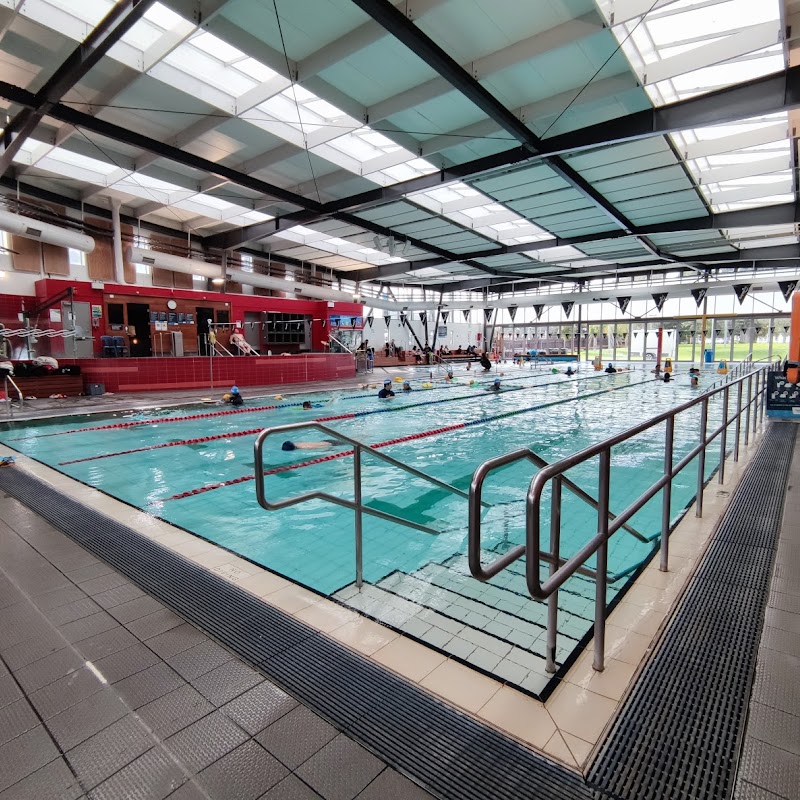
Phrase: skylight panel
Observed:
(76, 160)
(364, 145)
(565, 253)
(255, 69)
(214, 46)
(165, 18)
(213, 202)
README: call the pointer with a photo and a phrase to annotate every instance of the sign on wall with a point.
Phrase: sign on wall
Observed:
(442, 332)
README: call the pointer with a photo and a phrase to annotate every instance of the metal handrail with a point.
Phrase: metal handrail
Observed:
(355, 505)
(9, 408)
(561, 570)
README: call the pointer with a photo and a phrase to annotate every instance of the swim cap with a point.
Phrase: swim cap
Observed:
(387, 381)
(497, 380)
(234, 390)
(406, 383)
(288, 446)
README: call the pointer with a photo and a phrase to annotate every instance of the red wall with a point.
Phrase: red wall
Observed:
(151, 374)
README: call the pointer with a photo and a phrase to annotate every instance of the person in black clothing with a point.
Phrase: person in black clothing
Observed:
(234, 397)
(387, 390)
(485, 363)
(495, 387)
(610, 369)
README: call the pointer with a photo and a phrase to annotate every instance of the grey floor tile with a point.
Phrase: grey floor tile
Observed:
(291, 788)
(297, 736)
(775, 727)
(48, 669)
(58, 597)
(87, 627)
(105, 581)
(199, 660)
(340, 770)
(33, 649)
(153, 624)
(391, 785)
(770, 768)
(246, 773)
(86, 718)
(104, 644)
(117, 745)
(118, 595)
(780, 640)
(24, 755)
(9, 690)
(21, 622)
(61, 694)
(205, 741)
(785, 620)
(54, 781)
(259, 707)
(749, 791)
(785, 602)
(15, 719)
(127, 662)
(135, 609)
(84, 574)
(152, 776)
(176, 640)
(69, 612)
(189, 791)
(226, 682)
(148, 685)
(174, 711)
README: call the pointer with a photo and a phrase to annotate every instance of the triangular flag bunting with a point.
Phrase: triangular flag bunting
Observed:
(369, 320)
(387, 319)
(741, 290)
(512, 312)
(567, 308)
(659, 299)
(787, 287)
(538, 310)
(402, 318)
(423, 317)
(465, 312)
(623, 303)
(699, 295)
(445, 315)
(487, 313)
(353, 321)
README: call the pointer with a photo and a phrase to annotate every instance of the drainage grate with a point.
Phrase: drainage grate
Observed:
(449, 753)
(678, 734)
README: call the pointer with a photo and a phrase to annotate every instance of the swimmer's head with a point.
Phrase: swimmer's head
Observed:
(288, 446)
(387, 382)
(497, 381)
(234, 390)
(307, 404)
(406, 385)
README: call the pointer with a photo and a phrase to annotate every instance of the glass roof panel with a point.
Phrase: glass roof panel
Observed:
(77, 160)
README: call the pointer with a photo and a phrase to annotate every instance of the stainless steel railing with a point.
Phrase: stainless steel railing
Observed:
(553, 475)
(9, 408)
(357, 504)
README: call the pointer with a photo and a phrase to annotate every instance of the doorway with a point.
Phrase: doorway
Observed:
(252, 329)
(139, 319)
(204, 317)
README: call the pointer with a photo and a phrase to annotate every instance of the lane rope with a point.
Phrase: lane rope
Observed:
(400, 440)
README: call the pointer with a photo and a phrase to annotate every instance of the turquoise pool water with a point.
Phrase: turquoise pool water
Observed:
(313, 543)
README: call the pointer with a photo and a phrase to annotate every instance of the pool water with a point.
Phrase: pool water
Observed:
(418, 581)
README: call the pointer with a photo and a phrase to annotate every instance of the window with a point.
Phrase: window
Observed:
(247, 263)
(142, 269)
(77, 258)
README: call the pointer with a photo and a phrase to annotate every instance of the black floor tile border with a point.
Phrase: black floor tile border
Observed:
(680, 730)
(676, 736)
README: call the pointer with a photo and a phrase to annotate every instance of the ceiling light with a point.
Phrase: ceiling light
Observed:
(218, 280)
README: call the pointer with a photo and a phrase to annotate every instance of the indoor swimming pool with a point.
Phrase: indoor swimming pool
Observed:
(193, 467)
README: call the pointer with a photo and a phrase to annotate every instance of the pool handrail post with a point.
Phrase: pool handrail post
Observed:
(747, 409)
(723, 439)
(666, 497)
(603, 492)
(555, 549)
(701, 458)
(739, 388)
(358, 516)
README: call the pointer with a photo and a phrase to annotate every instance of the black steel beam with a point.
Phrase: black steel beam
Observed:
(95, 125)
(760, 96)
(119, 20)
(403, 29)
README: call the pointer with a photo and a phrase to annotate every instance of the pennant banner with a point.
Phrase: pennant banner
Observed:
(353, 321)
(387, 319)
(659, 300)
(699, 295)
(538, 310)
(741, 290)
(487, 313)
(402, 318)
(623, 303)
(423, 317)
(787, 287)
(465, 312)
(567, 308)
(512, 312)
(369, 320)
(445, 315)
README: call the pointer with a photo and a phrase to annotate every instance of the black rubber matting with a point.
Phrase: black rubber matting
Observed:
(679, 731)
(676, 737)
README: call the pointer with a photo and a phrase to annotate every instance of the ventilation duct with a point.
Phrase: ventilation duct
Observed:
(30, 228)
(152, 258)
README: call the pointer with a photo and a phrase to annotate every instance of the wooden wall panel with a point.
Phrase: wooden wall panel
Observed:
(56, 259)
(27, 254)
(183, 280)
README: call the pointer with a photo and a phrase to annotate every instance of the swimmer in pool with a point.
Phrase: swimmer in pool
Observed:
(234, 397)
(386, 391)
(406, 386)
(325, 444)
(570, 371)
(495, 387)
(307, 405)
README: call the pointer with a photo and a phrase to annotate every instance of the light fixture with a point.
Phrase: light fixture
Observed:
(218, 281)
